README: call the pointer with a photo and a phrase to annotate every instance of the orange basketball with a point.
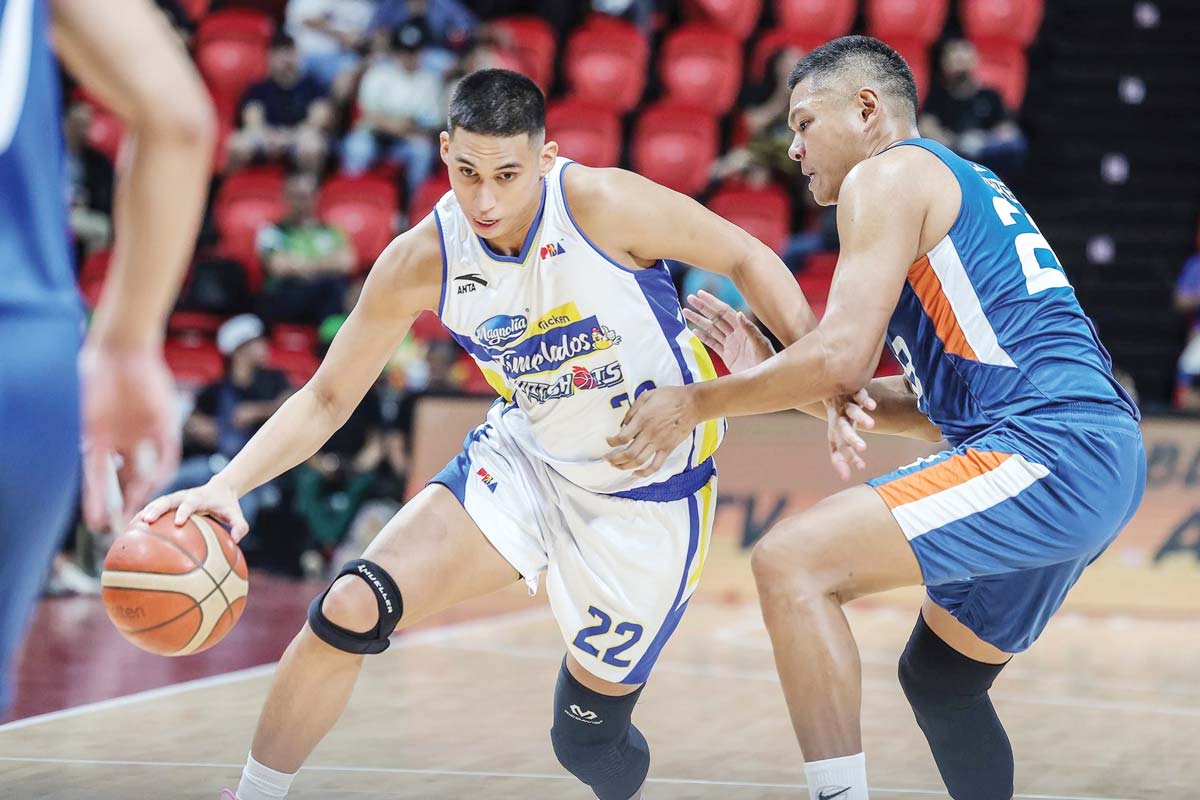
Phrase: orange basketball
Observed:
(175, 590)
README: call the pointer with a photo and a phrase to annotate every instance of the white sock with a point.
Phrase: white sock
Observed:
(842, 778)
(263, 783)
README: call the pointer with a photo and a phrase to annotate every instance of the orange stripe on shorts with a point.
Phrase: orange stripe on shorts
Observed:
(928, 287)
(941, 476)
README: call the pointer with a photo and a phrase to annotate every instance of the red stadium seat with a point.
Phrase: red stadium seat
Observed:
(231, 53)
(533, 44)
(586, 132)
(247, 201)
(738, 17)
(428, 328)
(765, 213)
(195, 9)
(821, 19)
(1014, 21)
(816, 290)
(105, 132)
(675, 146)
(772, 42)
(364, 208)
(298, 365)
(606, 63)
(701, 66)
(906, 19)
(92, 273)
(426, 197)
(193, 360)
(821, 263)
(1003, 67)
(294, 338)
(194, 323)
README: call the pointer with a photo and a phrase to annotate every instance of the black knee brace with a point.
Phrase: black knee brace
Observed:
(948, 693)
(595, 740)
(391, 607)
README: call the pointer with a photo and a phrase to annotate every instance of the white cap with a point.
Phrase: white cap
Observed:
(237, 331)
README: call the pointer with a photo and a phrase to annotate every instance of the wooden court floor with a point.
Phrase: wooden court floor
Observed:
(1102, 708)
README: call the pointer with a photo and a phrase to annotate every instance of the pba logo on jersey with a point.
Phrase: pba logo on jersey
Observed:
(551, 250)
(487, 479)
(579, 378)
(501, 330)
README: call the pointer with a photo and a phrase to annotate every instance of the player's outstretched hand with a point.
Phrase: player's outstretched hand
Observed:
(658, 421)
(129, 420)
(729, 333)
(214, 498)
(845, 415)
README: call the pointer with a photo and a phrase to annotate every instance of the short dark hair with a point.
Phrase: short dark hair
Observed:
(498, 102)
(880, 61)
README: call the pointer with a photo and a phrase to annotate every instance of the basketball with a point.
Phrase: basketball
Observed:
(174, 590)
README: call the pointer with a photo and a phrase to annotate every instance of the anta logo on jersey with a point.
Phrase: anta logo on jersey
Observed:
(551, 250)
(579, 377)
(487, 479)
(469, 282)
(501, 330)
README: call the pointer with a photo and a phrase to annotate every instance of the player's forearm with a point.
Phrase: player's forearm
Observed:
(159, 203)
(774, 295)
(896, 411)
(798, 376)
(291, 436)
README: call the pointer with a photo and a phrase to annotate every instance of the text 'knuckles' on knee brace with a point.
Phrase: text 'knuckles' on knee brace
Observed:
(387, 597)
(596, 741)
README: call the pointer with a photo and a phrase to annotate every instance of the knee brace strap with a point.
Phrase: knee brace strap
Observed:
(595, 740)
(391, 608)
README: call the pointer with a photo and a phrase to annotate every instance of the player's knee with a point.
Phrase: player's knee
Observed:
(359, 611)
(350, 604)
(784, 570)
(595, 740)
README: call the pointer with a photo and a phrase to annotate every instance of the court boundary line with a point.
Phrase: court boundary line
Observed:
(401, 640)
(495, 774)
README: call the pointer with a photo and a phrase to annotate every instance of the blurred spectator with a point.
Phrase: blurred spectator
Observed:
(400, 103)
(229, 412)
(764, 118)
(971, 119)
(450, 26)
(328, 34)
(441, 379)
(89, 184)
(1187, 302)
(306, 261)
(284, 116)
(639, 12)
(332, 485)
(695, 279)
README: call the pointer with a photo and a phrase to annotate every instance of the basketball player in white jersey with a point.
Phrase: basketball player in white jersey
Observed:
(551, 275)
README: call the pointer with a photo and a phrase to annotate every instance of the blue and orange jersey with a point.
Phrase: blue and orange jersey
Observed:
(987, 325)
(36, 275)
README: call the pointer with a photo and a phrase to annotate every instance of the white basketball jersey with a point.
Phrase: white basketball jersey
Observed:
(569, 337)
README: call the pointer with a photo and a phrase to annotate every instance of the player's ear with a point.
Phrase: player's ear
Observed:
(444, 149)
(549, 154)
(868, 104)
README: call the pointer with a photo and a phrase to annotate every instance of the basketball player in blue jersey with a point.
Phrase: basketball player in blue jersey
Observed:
(125, 55)
(551, 276)
(940, 262)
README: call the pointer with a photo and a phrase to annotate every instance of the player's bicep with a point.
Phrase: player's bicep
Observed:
(405, 280)
(660, 223)
(879, 228)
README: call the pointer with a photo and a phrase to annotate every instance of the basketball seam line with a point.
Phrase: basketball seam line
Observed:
(195, 605)
(192, 558)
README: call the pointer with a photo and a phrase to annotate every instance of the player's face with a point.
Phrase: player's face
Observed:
(829, 136)
(498, 180)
